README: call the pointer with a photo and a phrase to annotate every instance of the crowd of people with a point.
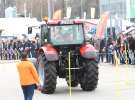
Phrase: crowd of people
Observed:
(12, 49)
(123, 48)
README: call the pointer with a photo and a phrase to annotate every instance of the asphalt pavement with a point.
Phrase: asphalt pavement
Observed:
(114, 84)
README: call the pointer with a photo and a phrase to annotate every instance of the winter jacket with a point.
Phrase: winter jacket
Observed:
(27, 73)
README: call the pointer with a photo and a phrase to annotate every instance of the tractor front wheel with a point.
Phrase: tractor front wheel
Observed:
(48, 76)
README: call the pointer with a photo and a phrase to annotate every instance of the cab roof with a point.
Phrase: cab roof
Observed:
(71, 21)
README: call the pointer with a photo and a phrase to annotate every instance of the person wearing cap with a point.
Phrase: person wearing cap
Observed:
(29, 78)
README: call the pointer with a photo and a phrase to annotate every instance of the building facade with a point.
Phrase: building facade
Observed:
(124, 9)
(40, 8)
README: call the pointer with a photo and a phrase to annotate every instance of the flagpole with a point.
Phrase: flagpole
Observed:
(49, 9)
(25, 9)
(41, 9)
(81, 10)
(110, 17)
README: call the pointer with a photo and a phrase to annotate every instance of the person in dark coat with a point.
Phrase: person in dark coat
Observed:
(102, 50)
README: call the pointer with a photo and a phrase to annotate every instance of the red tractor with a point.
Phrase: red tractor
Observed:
(66, 54)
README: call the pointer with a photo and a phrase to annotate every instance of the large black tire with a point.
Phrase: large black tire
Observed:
(89, 79)
(50, 76)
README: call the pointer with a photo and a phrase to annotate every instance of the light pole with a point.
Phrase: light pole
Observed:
(81, 9)
(49, 9)
(110, 17)
(41, 9)
(31, 8)
(4, 7)
(25, 8)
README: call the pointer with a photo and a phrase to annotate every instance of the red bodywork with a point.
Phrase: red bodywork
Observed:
(50, 52)
(88, 51)
(56, 22)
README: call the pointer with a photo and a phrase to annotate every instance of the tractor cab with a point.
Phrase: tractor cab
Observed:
(63, 32)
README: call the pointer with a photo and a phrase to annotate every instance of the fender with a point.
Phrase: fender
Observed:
(88, 51)
(50, 53)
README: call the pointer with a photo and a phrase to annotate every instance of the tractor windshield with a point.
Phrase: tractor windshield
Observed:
(66, 34)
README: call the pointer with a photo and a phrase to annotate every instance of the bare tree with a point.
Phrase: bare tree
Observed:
(39, 8)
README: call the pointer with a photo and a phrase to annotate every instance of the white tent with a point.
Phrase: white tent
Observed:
(131, 30)
(122, 24)
(17, 26)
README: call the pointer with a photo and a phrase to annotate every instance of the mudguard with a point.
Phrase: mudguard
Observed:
(88, 51)
(50, 53)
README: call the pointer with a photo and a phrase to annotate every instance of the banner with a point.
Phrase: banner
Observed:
(102, 25)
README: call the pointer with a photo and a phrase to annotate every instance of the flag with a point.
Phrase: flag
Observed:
(102, 26)
(57, 14)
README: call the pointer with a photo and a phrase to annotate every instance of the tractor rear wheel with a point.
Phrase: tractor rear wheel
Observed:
(89, 79)
(48, 76)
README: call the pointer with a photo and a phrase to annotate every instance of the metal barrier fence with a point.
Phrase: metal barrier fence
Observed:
(123, 58)
(15, 55)
(5, 55)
